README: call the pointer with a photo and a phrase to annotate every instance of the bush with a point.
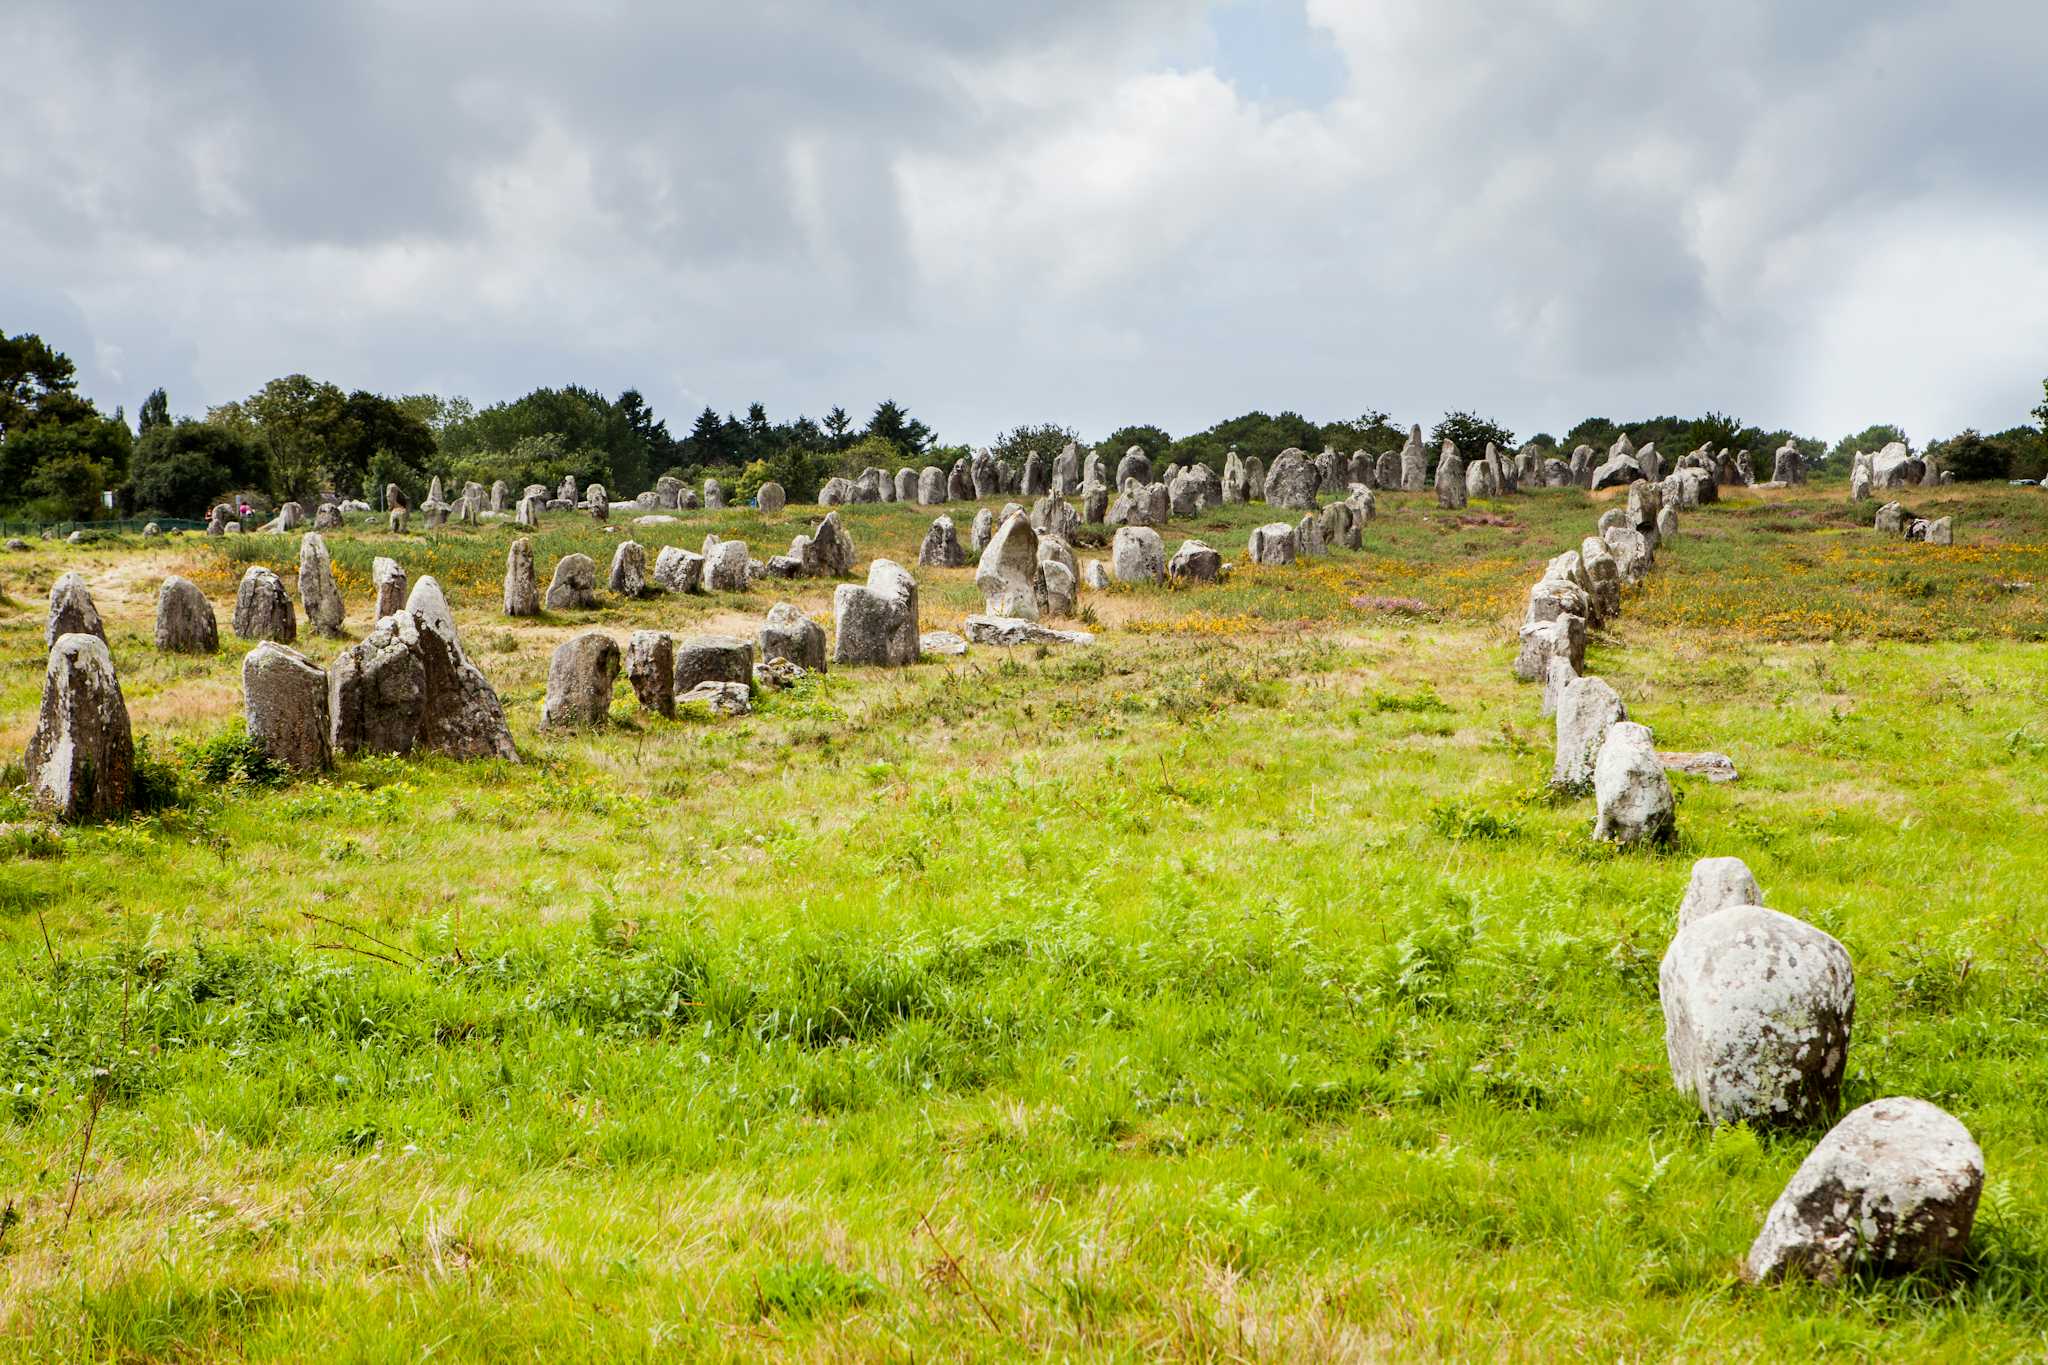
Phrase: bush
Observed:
(232, 758)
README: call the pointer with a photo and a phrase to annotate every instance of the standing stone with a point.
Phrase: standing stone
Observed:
(574, 585)
(600, 503)
(906, 485)
(960, 483)
(877, 623)
(1052, 516)
(713, 658)
(1891, 519)
(1894, 1187)
(1236, 483)
(1066, 472)
(1621, 468)
(522, 593)
(1632, 794)
(217, 521)
(628, 577)
(1036, 480)
(1586, 711)
(581, 675)
(651, 669)
(980, 531)
(500, 491)
(789, 634)
(1292, 482)
(726, 567)
(770, 498)
(284, 702)
(1364, 506)
(1941, 531)
(837, 492)
(1137, 555)
(678, 570)
(931, 486)
(1386, 472)
(387, 577)
(317, 591)
(1007, 576)
(71, 611)
(1273, 545)
(263, 611)
(1451, 488)
(1562, 636)
(941, 548)
(1787, 466)
(1757, 1012)
(185, 623)
(1338, 527)
(714, 495)
(81, 756)
(1094, 503)
(831, 553)
(406, 686)
(1059, 577)
(326, 517)
(1667, 523)
(1195, 562)
(1718, 884)
(1414, 462)
(1308, 538)
(1134, 465)
(1479, 480)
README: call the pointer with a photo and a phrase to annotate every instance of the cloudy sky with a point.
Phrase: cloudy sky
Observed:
(1819, 214)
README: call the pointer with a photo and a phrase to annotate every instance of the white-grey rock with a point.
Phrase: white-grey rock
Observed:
(574, 586)
(789, 634)
(727, 567)
(943, 643)
(185, 623)
(71, 611)
(651, 670)
(1017, 630)
(1095, 574)
(678, 570)
(581, 675)
(318, 594)
(81, 755)
(1718, 884)
(407, 687)
(1137, 555)
(1586, 710)
(522, 593)
(1293, 482)
(1271, 545)
(876, 623)
(628, 577)
(1757, 1013)
(720, 698)
(1007, 576)
(284, 702)
(712, 658)
(263, 611)
(770, 498)
(387, 578)
(1195, 562)
(1630, 790)
(1894, 1186)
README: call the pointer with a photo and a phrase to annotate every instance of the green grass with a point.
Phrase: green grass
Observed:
(1232, 989)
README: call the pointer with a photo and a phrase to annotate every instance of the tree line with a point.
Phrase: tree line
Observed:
(299, 438)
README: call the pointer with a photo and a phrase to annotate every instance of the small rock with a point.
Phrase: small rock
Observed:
(942, 642)
(1016, 630)
(722, 698)
(1714, 767)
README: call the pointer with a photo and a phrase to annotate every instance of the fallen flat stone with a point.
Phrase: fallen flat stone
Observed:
(1712, 766)
(1016, 630)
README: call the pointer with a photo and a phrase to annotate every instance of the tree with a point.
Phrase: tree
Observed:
(707, 443)
(1048, 439)
(2041, 413)
(180, 470)
(1370, 432)
(651, 431)
(1970, 457)
(598, 435)
(299, 420)
(155, 412)
(373, 425)
(1471, 432)
(837, 424)
(894, 424)
(38, 384)
(58, 470)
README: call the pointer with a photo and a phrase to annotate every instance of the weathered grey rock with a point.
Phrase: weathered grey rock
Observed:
(1035, 480)
(1630, 790)
(326, 517)
(960, 482)
(789, 634)
(1893, 1187)
(530, 509)
(217, 521)
(71, 611)
(1718, 884)
(1292, 482)
(1007, 576)
(931, 486)
(714, 495)
(727, 567)
(1941, 531)
(574, 586)
(185, 623)
(830, 553)
(1712, 766)
(600, 503)
(522, 593)
(1586, 710)
(1052, 516)
(1414, 462)
(1272, 545)
(1364, 507)
(581, 676)
(1631, 552)
(1560, 637)
(1095, 574)
(837, 492)
(317, 591)
(987, 475)
(1066, 472)
(678, 570)
(877, 623)
(1757, 1012)
(1308, 538)
(1059, 583)
(941, 547)
(1016, 630)
(1895, 467)
(1788, 466)
(719, 698)
(1338, 527)
(1891, 519)
(406, 687)
(1452, 490)
(1560, 676)
(263, 611)
(284, 702)
(1236, 486)
(869, 486)
(1480, 481)
(712, 658)
(81, 755)
(429, 606)
(1667, 523)
(1651, 461)
(651, 669)
(906, 485)
(1195, 562)
(1605, 573)
(943, 643)
(1133, 466)
(628, 577)
(1193, 491)
(387, 578)
(1137, 555)
(770, 498)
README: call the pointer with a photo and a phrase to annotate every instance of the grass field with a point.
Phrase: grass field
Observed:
(1229, 990)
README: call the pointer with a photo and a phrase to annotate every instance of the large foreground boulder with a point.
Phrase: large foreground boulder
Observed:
(876, 623)
(284, 701)
(81, 756)
(406, 687)
(1757, 1009)
(1893, 1186)
(185, 623)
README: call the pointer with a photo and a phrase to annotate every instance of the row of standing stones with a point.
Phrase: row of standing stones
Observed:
(1757, 1004)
